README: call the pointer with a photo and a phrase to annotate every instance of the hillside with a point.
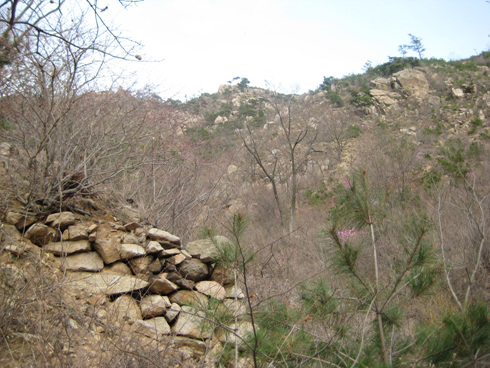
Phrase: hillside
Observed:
(355, 220)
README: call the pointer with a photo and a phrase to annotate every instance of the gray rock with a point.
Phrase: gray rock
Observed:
(153, 247)
(179, 281)
(104, 283)
(172, 312)
(108, 250)
(154, 328)
(161, 285)
(222, 275)
(67, 247)
(87, 261)
(211, 289)
(41, 234)
(75, 232)
(124, 308)
(128, 251)
(130, 238)
(155, 266)
(119, 268)
(61, 220)
(140, 264)
(191, 323)
(207, 250)
(236, 335)
(20, 220)
(154, 305)
(194, 270)
(190, 298)
(412, 82)
(161, 235)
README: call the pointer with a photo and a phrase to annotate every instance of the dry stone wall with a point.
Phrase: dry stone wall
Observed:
(137, 278)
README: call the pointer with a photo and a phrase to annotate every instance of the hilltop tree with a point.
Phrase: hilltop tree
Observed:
(415, 45)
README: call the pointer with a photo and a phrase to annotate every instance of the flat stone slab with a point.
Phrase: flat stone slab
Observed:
(67, 247)
(192, 323)
(104, 283)
(87, 261)
(154, 328)
(212, 289)
(161, 235)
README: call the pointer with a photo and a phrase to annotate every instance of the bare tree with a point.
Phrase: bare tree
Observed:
(283, 163)
(25, 25)
(464, 249)
(65, 136)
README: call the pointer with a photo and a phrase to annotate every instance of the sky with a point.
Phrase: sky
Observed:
(192, 47)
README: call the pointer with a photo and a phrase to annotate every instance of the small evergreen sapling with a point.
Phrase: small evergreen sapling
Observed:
(383, 289)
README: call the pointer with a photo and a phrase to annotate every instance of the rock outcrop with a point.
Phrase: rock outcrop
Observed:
(160, 287)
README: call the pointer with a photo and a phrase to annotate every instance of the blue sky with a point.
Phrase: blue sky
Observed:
(288, 44)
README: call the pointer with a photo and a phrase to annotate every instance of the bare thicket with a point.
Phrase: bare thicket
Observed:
(281, 165)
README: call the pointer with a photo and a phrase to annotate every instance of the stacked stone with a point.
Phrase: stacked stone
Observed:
(156, 285)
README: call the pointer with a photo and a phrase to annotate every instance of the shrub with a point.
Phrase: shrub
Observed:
(395, 64)
(353, 131)
(463, 340)
(335, 98)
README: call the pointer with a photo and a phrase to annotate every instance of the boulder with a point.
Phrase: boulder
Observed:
(118, 267)
(154, 328)
(155, 266)
(191, 323)
(153, 247)
(413, 82)
(211, 289)
(141, 264)
(125, 308)
(177, 259)
(189, 297)
(87, 261)
(383, 84)
(130, 238)
(61, 220)
(154, 305)
(179, 281)
(196, 346)
(161, 235)
(104, 283)
(20, 220)
(207, 250)
(108, 250)
(128, 251)
(194, 270)
(457, 92)
(169, 252)
(172, 312)
(222, 275)
(161, 285)
(384, 98)
(41, 234)
(64, 248)
(75, 232)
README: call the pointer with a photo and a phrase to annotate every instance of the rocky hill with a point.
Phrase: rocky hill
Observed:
(109, 255)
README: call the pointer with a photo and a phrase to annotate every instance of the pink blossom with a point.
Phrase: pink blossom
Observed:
(345, 183)
(349, 234)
